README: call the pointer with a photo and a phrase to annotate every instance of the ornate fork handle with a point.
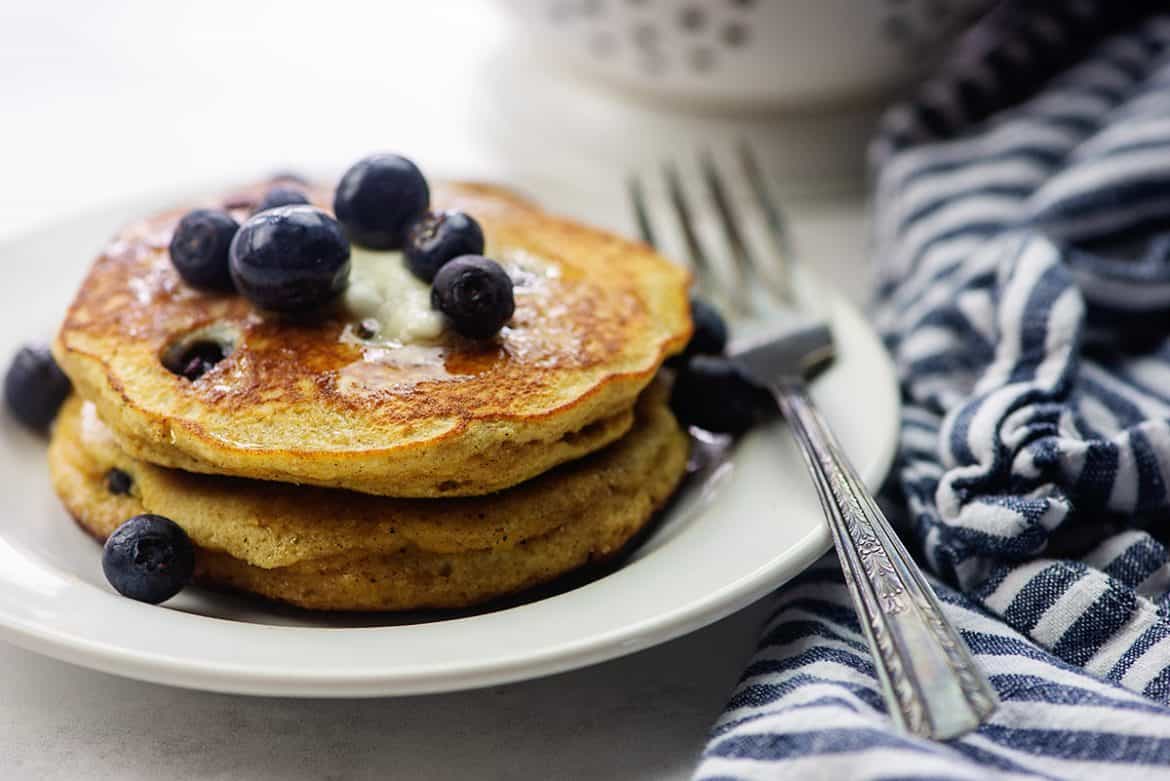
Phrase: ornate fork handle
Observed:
(925, 667)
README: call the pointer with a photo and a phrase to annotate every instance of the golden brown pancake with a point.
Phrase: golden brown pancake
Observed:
(295, 402)
(330, 549)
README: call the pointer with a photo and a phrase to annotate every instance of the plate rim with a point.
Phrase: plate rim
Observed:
(155, 668)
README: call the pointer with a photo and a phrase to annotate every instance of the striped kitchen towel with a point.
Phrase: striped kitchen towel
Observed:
(1022, 234)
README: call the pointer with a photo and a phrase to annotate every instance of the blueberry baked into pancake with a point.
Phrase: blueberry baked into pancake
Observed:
(376, 396)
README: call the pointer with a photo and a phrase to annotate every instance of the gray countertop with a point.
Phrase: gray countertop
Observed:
(643, 716)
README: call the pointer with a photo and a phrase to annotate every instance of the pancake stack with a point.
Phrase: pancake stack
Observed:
(316, 466)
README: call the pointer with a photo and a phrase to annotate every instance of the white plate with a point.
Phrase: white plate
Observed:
(732, 535)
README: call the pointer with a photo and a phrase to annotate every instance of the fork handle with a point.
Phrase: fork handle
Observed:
(930, 681)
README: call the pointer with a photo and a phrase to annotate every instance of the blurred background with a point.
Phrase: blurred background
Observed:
(101, 102)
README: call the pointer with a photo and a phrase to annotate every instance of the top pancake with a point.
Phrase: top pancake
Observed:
(299, 402)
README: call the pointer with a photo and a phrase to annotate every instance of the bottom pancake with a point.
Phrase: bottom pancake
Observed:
(328, 549)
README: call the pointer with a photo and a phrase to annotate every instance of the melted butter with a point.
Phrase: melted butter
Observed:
(404, 342)
(382, 288)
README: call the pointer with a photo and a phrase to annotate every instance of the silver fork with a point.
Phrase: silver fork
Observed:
(931, 684)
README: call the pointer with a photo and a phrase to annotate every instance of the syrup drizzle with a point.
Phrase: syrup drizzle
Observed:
(396, 369)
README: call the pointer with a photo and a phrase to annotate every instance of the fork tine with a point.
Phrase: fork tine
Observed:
(780, 281)
(744, 267)
(682, 209)
(641, 212)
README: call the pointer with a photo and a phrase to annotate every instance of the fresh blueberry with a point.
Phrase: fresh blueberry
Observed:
(438, 237)
(281, 196)
(709, 337)
(149, 558)
(118, 482)
(199, 248)
(35, 387)
(476, 294)
(290, 259)
(711, 393)
(378, 198)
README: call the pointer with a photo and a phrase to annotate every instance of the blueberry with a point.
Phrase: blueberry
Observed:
(199, 248)
(378, 198)
(35, 387)
(149, 558)
(476, 294)
(709, 337)
(280, 196)
(290, 259)
(118, 482)
(195, 359)
(711, 393)
(438, 237)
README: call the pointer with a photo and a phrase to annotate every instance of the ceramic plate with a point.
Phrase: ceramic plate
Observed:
(739, 528)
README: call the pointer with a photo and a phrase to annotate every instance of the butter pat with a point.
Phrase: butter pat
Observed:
(381, 287)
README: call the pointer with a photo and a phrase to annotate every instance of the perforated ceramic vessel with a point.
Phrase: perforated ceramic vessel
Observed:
(745, 52)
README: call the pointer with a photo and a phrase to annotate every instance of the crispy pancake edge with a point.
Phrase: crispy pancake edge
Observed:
(625, 489)
(465, 456)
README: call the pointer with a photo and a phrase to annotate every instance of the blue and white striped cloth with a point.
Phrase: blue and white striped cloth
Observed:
(1022, 231)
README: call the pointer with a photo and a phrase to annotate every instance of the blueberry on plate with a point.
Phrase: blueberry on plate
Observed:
(378, 198)
(438, 237)
(199, 248)
(290, 259)
(711, 393)
(35, 387)
(476, 294)
(149, 558)
(710, 335)
(281, 196)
